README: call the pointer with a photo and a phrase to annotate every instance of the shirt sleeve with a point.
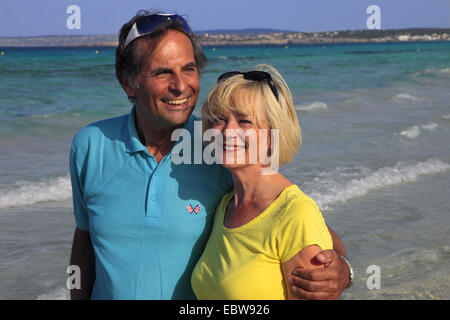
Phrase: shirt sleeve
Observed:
(79, 206)
(302, 225)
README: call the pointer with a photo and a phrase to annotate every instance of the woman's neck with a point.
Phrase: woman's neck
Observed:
(251, 186)
(253, 193)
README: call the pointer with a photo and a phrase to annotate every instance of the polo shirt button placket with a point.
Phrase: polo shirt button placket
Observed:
(155, 197)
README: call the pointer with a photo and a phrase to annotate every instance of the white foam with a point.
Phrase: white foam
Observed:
(415, 131)
(443, 70)
(338, 188)
(57, 294)
(406, 96)
(27, 193)
(446, 116)
(314, 106)
(412, 132)
(430, 126)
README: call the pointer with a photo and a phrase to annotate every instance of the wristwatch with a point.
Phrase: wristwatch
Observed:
(350, 269)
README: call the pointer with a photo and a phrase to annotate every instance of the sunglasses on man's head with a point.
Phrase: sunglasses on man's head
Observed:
(147, 24)
(253, 76)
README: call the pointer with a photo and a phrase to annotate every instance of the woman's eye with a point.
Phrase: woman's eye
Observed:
(246, 122)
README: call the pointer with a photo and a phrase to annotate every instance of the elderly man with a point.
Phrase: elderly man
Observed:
(136, 237)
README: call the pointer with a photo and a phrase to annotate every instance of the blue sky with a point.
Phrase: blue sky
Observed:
(48, 17)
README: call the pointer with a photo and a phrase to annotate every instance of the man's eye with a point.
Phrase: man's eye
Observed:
(159, 72)
(191, 69)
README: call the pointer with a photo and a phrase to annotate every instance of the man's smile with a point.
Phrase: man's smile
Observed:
(176, 104)
(177, 101)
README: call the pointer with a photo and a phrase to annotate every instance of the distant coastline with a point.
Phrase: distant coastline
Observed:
(246, 37)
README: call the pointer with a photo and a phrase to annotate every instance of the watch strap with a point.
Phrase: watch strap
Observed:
(350, 269)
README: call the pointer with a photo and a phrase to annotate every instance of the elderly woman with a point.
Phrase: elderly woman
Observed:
(266, 226)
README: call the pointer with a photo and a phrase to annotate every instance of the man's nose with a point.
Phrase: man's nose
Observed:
(177, 84)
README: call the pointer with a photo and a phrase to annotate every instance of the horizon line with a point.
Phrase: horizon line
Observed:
(235, 30)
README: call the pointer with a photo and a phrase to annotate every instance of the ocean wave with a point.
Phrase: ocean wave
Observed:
(430, 126)
(312, 107)
(57, 294)
(443, 70)
(435, 71)
(406, 96)
(412, 132)
(30, 192)
(337, 188)
(415, 131)
(446, 116)
(339, 185)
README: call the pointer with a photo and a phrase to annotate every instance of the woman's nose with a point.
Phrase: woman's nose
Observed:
(230, 128)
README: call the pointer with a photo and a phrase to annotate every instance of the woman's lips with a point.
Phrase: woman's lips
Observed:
(232, 147)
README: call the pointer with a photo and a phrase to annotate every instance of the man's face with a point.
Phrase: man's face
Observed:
(168, 80)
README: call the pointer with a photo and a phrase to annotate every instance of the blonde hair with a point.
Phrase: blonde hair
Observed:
(262, 104)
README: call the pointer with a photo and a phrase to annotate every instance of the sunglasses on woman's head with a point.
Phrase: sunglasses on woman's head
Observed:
(253, 76)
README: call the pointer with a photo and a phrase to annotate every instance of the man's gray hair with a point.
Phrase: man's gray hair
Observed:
(128, 63)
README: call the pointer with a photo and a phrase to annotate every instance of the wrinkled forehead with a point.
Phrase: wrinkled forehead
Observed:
(151, 47)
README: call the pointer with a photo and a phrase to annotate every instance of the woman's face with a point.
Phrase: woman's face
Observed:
(244, 143)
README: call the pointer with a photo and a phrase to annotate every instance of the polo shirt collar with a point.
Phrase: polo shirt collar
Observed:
(134, 144)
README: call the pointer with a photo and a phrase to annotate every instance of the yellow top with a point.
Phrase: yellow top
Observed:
(244, 263)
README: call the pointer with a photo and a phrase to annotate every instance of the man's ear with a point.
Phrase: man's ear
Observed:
(129, 90)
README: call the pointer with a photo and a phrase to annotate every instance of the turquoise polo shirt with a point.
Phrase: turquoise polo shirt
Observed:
(148, 221)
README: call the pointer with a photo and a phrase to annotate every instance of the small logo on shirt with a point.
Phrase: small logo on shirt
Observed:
(190, 209)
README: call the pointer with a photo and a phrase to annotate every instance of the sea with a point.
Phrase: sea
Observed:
(375, 120)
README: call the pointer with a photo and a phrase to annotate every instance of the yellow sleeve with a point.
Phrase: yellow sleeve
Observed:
(301, 225)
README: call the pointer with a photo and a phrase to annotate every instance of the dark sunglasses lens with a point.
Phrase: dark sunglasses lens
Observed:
(227, 75)
(148, 24)
(257, 75)
(253, 76)
(182, 22)
(261, 76)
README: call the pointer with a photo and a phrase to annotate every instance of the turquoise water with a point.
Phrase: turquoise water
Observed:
(376, 124)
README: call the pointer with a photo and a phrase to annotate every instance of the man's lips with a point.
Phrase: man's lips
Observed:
(176, 102)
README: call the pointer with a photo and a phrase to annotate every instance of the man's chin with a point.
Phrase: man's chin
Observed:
(179, 118)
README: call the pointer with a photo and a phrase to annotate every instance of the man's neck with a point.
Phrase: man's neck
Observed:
(156, 137)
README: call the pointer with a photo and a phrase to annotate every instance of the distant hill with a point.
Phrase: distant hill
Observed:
(251, 36)
(240, 31)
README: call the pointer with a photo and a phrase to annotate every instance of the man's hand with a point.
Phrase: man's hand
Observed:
(324, 283)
